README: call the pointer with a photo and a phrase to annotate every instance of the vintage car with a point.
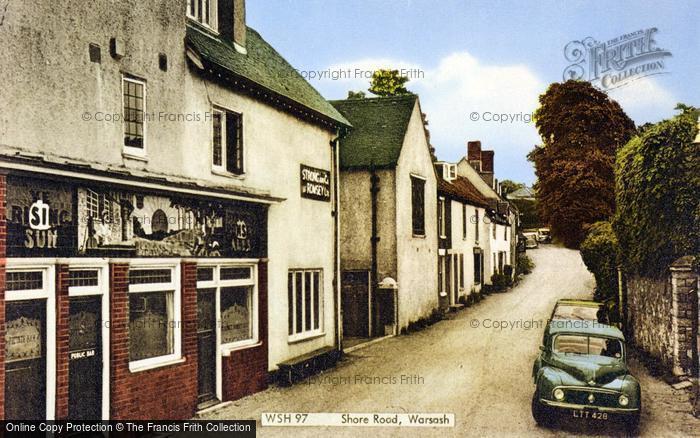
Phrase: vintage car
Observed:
(531, 240)
(544, 235)
(581, 372)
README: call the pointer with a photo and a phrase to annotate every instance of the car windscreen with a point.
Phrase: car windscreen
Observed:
(588, 345)
(584, 313)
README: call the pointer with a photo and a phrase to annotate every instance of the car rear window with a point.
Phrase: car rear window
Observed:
(589, 345)
(576, 312)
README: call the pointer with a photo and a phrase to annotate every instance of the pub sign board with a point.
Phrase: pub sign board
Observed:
(40, 218)
(51, 218)
(315, 183)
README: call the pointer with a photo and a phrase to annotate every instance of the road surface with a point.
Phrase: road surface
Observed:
(476, 364)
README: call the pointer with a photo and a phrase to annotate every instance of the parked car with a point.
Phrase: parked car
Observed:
(531, 240)
(544, 235)
(582, 372)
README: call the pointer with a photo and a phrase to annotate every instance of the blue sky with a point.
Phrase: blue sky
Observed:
(483, 57)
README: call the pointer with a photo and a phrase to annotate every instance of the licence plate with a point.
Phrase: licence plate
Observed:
(589, 415)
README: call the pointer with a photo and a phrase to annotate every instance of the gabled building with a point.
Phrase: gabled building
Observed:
(502, 218)
(463, 237)
(169, 226)
(388, 217)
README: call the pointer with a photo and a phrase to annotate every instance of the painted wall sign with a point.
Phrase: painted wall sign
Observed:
(146, 225)
(23, 339)
(315, 183)
(40, 219)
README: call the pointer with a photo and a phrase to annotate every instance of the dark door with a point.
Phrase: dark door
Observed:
(206, 339)
(455, 279)
(25, 360)
(355, 302)
(448, 278)
(85, 359)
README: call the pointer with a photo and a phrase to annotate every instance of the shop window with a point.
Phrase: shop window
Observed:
(418, 205)
(154, 309)
(227, 141)
(83, 277)
(235, 289)
(305, 300)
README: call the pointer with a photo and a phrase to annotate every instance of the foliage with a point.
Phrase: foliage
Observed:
(657, 185)
(508, 186)
(581, 130)
(524, 265)
(529, 217)
(388, 83)
(599, 252)
(356, 94)
(499, 282)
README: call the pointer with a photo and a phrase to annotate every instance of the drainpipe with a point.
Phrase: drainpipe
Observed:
(374, 181)
(335, 166)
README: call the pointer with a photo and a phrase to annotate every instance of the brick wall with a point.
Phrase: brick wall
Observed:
(244, 371)
(62, 341)
(168, 392)
(3, 261)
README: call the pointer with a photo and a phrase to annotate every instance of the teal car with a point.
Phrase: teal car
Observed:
(581, 372)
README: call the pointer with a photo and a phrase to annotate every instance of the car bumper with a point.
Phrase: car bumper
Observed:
(564, 405)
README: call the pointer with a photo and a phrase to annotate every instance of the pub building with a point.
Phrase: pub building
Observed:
(168, 197)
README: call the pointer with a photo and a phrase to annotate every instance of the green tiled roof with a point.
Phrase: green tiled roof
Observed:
(379, 127)
(262, 66)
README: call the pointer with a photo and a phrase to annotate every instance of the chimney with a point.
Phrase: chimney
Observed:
(474, 150)
(487, 161)
(232, 25)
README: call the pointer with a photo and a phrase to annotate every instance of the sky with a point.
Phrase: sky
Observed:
(471, 61)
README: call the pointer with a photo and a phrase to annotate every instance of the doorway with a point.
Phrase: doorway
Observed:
(355, 304)
(206, 343)
(85, 358)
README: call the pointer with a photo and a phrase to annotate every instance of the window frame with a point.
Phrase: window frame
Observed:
(173, 286)
(460, 262)
(442, 220)
(465, 233)
(476, 226)
(212, 23)
(418, 230)
(223, 169)
(131, 151)
(217, 283)
(298, 336)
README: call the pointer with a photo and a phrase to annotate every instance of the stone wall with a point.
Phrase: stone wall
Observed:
(662, 317)
(649, 306)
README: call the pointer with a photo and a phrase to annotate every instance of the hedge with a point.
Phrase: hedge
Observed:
(600, 253)
(657, 176)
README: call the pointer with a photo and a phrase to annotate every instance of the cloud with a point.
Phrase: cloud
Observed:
(644, 100)
(466, 98)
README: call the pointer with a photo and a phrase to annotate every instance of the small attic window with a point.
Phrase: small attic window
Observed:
(449, 171)
(203, 12)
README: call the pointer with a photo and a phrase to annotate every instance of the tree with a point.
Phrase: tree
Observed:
(356, 94)
(508, 186)
(658, 208)
(581, 129)
(388, 83)
(528, 213)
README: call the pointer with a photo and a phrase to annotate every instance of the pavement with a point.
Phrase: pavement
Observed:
(475, 364)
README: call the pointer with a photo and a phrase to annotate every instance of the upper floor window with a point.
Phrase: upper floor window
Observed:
(203, 12)
(464, 221)
(134, 99)
(441, 219)
(227, 141)
(494, 229)
(476, 225)
(418, 205)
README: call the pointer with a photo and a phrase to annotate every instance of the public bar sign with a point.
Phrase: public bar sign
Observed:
(315, 183)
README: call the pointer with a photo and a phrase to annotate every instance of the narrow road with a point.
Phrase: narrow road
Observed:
(476, 364)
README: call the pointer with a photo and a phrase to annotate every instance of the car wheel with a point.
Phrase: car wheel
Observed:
(540, 413)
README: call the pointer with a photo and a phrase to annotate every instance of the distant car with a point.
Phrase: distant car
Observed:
(581, 372)
(544, 235)
(531, 240)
